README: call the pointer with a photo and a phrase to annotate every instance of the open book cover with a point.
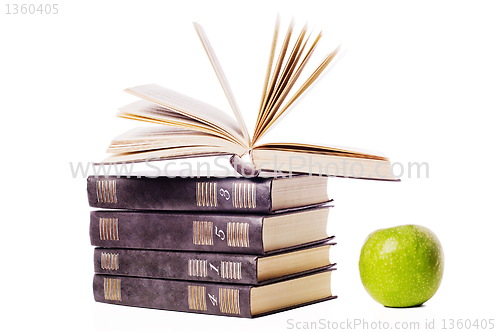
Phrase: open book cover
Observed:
(192, 128)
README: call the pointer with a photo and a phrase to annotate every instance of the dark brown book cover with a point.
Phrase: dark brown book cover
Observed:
(213, 232)
(214, 194)
(185, 265)
(199, 194)
(189, 296)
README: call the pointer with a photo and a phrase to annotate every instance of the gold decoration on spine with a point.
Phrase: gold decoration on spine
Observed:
(239, 195)
(229, 301)
(244, 195)
(230, 270)
(206, 194)
(197, 268)
(202, 233)
(108, 229)
(109, 261)
(197, 298)
(112, 289)
(238, 234)
(106, 191)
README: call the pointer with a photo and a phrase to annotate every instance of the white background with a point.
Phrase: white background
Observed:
(418, 81)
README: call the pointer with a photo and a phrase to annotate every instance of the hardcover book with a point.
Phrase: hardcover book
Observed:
(208, 266)
(215, 298)
(231, 194)
(231, 233)
(194, 128)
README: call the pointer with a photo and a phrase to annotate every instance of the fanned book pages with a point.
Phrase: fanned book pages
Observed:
(194, 128)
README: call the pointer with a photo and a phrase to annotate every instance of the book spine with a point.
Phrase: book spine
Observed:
(240, 195)
(197, 297)
(177, 231)
(196, 266)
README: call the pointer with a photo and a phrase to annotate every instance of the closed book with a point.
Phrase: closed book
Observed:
(212, 267)
(214, 298)
(232, 233)
(263, 195)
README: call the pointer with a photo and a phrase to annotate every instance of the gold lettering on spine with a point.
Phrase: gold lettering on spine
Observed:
(221, 303)
(198, 202)
(211, 185)
(105, 222)
(249, 195)
(254, 193)
(234, 194)
(106, 191)
(197, 298)
(102, 225)
(108, 229)
(229, 300)
(203, 194)
(103, 194)
(202, 233)
(98, 188)
(215, 193)
(210, 234)
(109, 261)
(198, 232)
(238, 234)
(100, 229)
(230, 270)
(204, 302)
(190, 298)
(206, 194)
(205, 232)
(115, 227)
(197, 268)
(114, 192)
(244, 195)
(242, 234)
(239, 195)
(246, 238)
(112, 289)
(231, 297)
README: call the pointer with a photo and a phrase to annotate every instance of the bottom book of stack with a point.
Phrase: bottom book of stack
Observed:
(239, 285)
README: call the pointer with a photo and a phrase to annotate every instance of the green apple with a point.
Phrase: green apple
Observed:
(401, 266)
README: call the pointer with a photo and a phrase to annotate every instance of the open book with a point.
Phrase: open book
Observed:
(194, 128)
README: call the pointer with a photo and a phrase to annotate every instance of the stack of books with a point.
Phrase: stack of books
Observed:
(231, 246)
